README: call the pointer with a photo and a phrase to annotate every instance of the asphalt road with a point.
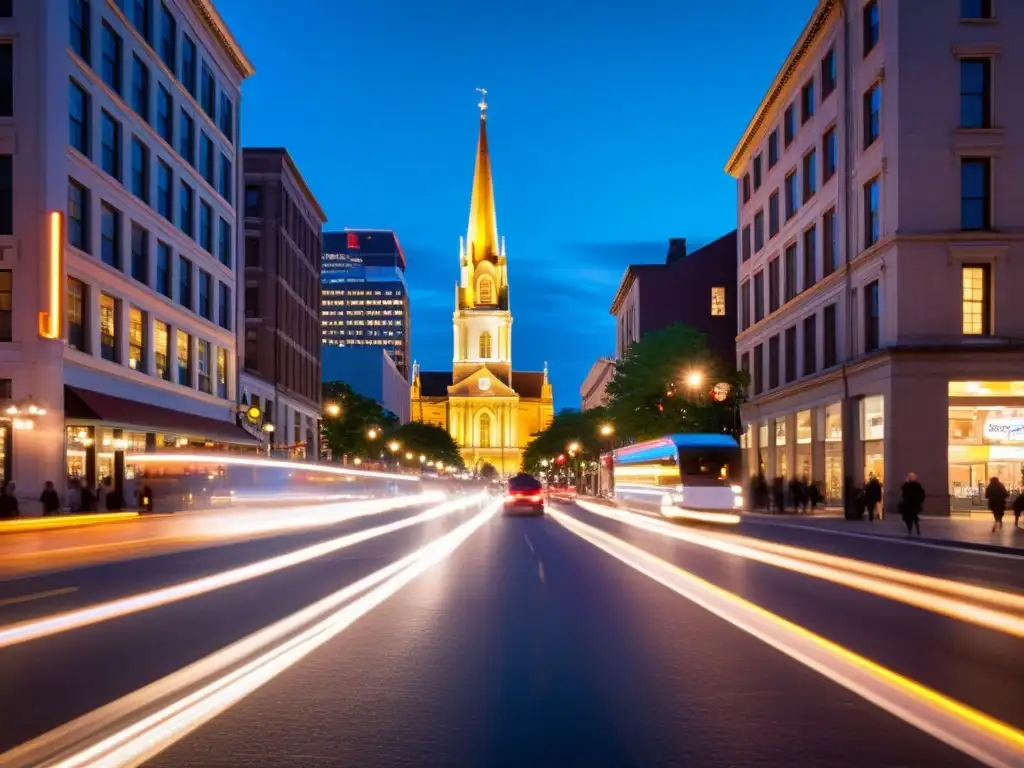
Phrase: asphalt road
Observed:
(527, 646)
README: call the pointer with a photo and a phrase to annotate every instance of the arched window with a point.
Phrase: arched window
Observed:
(485, 430)
(485, 345)
(485, 290)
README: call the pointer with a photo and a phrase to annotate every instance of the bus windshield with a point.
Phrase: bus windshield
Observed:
(708, 463)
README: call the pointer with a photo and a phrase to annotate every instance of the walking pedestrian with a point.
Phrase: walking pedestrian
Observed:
(8, 502)
(1018, 507)
(50, 499)
(872, 496)
(997, 495)
(911, 503)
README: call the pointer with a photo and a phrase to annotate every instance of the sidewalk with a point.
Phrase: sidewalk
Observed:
(964, 532)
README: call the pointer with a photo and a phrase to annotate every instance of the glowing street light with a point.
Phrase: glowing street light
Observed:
(371, 433)
(573, 447)
(394, 445)
(694, 379)
(607, 430)
(333, 409)
(408, 455)
(422, 458)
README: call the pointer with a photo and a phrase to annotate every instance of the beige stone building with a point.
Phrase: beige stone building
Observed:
(490, 410)
(881, 251)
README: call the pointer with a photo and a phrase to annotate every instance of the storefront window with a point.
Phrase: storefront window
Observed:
(781, 470)
(803, 446)
(872, 434)
(762, 446)
(985, 442)
(834, 452)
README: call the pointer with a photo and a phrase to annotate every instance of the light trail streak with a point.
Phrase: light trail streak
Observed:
(156, 723)
(975, 733)
(63, 521)
(943, 596)
(63, 622)
(249, 461)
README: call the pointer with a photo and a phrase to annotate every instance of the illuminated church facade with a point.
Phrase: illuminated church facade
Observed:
(491, 410)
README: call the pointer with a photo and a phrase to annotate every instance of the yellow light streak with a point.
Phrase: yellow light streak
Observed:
(142, 601)
(24, 524)
(252, 461)
(989, 740)
(148, 733)
(942, 596)
(50, 321)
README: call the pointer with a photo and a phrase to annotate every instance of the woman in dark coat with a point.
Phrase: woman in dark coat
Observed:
(911, 503)
(997, 495)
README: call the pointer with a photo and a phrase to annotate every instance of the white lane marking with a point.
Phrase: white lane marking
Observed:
(37, 596)
(51, 625)
(87, 741)
(988, 740)
(529, 543)
(540, 573)
(896, 540)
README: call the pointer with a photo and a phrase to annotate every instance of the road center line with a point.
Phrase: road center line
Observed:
(971, 731)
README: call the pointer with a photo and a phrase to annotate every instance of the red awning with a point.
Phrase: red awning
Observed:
(87, 405)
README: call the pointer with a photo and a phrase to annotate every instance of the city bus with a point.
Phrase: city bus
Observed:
(683, 477)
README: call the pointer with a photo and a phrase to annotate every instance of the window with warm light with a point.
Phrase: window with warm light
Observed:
(485, 289)
(975, 299)
(75, 308)
(137, 339)
(161, 334)
(485, 345)
(485, 430)
(108, 327)
(184, 346)
(718, 301)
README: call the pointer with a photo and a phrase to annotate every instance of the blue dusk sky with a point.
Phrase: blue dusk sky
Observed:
(609, 126)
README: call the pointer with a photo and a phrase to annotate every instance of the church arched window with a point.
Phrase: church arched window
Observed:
(485, 430)
(485, 289)
(485, 345)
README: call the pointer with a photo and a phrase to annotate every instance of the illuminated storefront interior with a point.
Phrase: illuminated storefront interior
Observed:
(872, 435)
(986, 438)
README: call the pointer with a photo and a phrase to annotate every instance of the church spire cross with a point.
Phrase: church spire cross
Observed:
(482, 235)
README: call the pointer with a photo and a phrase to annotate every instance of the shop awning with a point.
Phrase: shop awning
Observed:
(118, 412)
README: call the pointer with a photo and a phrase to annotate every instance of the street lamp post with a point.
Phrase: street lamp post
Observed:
(606, 431)
(394, 446)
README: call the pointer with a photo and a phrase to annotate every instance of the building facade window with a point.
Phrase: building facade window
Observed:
(758, 231)
(830, 333)
(810, 174)
(168, 38)
(142, 18)
(745, 305)
(224, 244)
(108, 328)
(110, 235)
(718, 301)
(203, 365)
(252, 252)
(773, 214)
(872, 317)
(206, 155)
(227, 117)
(140, 170)
(773, 362)
(810, 257)
(252, 301)
(872, 224)
(208, 97)
(224, 307)
(759, 296)
(76, 314)
(81, 29)
(828, 74)
(222, 372)
(792, 200)
(78, 216)
(164, 110)
(189, 61)
(746, 187)
(253, 202)
(6, 305)
(140, 254)
(187, 138)
(78, 118)
(485, 346)
(790, 352)
(162, 350)
(758, 369)
(975, 189)
(205, 295)
(807, 101)
(184, 282)
(790, 283)
(975, 93)
(137, 339)
(872, 114)
(140, 88)
(789, 125)
(774, 279)
(111, 65)
(484, 428)
(164, 190)
(871, 26)
(773, 148)
(206, 226)
(186, 210)
(252, 356)
(184, 355)
(829, 243)
(6, 195)
(976, 300)
(227, 182)
(746, 245)
(975, 9)
(164, 279)
(110, 139)
(485, 289)
(757, 172)
(830, 147)
(810, 345)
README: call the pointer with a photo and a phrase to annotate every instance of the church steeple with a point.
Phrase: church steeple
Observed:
(482, 235)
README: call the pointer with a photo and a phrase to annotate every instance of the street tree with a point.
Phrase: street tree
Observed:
(569, 427)
(428, 440)
(357, 427)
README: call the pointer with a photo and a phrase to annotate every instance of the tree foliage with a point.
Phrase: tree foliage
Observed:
(651, 393)
(348, 432)
(429, 440)
(569, 426)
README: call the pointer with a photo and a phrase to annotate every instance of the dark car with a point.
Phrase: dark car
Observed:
(525, 494)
